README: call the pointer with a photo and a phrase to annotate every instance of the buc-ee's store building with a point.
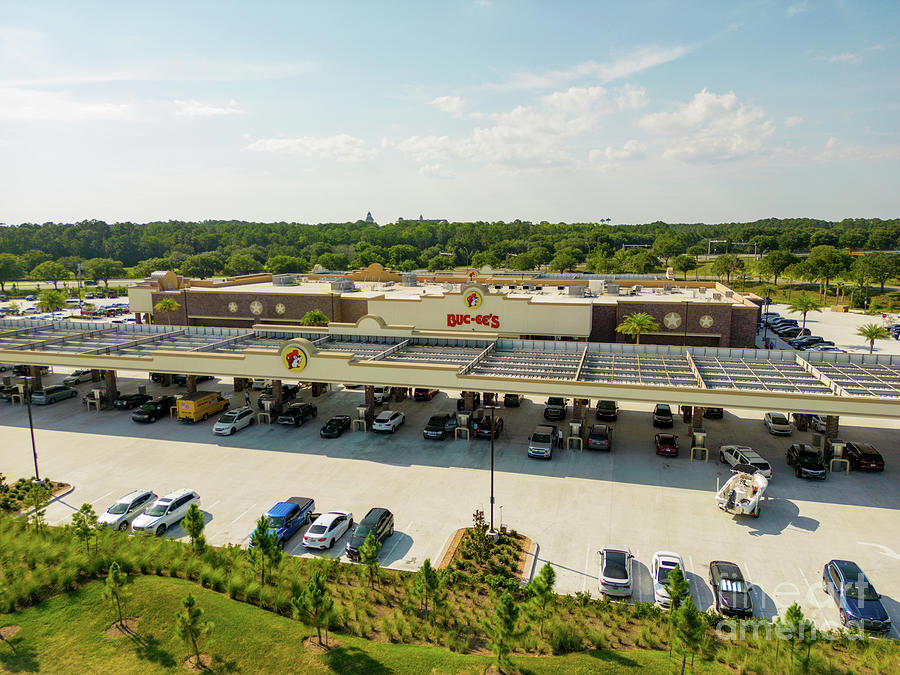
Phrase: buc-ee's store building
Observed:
(688, 313)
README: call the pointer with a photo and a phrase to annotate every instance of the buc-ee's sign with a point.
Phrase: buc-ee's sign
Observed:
(473, 298)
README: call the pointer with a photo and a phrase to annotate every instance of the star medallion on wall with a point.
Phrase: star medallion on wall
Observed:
(672, 320)
(279, 308)
(706, 321)
(232, 307)
(256, 307)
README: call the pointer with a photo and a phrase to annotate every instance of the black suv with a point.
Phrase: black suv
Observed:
(420, 394)
(488, 426)
(288, 393)
(297, 413)
(807, 461)
(153, 410)
(555, 408)
(512, 400)
(730, 592)
(440, 425)
(662, 415)
(599, 438)
(181, 380)
(130, 401)
(378, 521)
(461, 401)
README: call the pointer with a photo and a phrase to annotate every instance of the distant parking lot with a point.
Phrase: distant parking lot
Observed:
(571, 506)
(841, 327)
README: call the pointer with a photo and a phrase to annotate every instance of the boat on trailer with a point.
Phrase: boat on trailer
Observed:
(743, 492)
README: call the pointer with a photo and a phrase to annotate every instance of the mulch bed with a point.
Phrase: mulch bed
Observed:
(6, 632)
(190, 664)
(126, 628)
(524, 556)
(450, 551)
(311, 644)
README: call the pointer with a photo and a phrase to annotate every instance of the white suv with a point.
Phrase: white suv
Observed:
(742, 454)
(119, 515)
(234, 420)
(165, 512)
(778, 424)
(388, 420)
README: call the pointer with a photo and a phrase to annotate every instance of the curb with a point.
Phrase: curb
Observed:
(528, 575)
(25, 514)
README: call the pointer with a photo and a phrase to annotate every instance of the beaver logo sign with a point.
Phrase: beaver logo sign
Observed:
(473, 298)
(294, 357)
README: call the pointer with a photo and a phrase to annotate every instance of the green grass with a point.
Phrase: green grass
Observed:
(67, 634)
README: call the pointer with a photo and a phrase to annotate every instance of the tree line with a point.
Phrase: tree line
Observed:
(53, 251)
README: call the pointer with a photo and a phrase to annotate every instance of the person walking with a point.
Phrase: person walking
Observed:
(247, 398)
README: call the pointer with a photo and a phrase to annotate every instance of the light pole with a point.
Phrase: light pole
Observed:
(493, 432)
(27, 394)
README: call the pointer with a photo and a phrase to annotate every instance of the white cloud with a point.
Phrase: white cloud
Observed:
(632, 149)
(710, 127)
(792, 121)
(846, 57)
(435, 171)
(31, 105)
(796, 8)
(831, 143)
(342, 147)
(484, 3)
(627, 65)
(448, 104)
(536, 135)
(201, 109)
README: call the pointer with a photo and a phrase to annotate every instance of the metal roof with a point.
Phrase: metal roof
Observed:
(500, 363)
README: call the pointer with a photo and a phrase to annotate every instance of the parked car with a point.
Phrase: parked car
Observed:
(52, 394)
(233, 421)
(778, 424)
(555, 408)
(817, 423)
(663, 563)
(440, 425)
(89, 296)
(662, 415)
(713, 413)
(165, 512)
(607, 410)
(615, 577)
(78, 376)
(489, 426)
(859, 604)
(794, 331)
(600, 437)
(181, 379)
(378, 521)
(287, 517)
(388, 420)
(327, 529)
(131, 401)
(260, 383)
(127, 508)
(30, 298)
(742, 454)
(423, 394)
(297, 413)
(154, 410)
(863, 457)
(381, 394)
(103, 397)
(807, 461)
(667, 445)
(461, 401)
(288, 393)
(731, 594)
(336, 426)
(542, 441)
(512, 400)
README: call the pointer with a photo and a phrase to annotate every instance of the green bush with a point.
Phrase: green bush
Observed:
(236, 586)
(251, 593)
(564, 638)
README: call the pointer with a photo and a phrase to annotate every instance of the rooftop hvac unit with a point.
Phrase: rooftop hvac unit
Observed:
(702, 290)
(284, 280)
(716, 296)
(577, 290)
(343, 286)
(597, 285)
(409, 280)
(667, 288)
(612, 289)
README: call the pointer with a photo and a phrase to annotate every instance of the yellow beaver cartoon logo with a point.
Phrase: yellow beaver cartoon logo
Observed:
(473, 298)
(293, 357)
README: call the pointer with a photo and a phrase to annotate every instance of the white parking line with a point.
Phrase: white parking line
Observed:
(406, 529)
(101, 498)
(209, 506)
(587, 564)
(243, 513)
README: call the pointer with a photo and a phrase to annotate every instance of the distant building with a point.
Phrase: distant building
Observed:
(420, 219)
(369, 218)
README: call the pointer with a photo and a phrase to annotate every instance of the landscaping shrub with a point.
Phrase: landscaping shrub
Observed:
(564, 638)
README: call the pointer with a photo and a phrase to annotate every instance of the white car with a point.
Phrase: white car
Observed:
(234, 420)
(259, 383)
(327, 529)
(742, 454)
(778, 424)
(817, 423)
(119, 515)
(79, 376)
(615, 576)
(380, 394)
(663, 563)
(165, 512)
(388, 420)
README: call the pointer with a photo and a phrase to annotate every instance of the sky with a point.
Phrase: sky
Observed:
(464, 110)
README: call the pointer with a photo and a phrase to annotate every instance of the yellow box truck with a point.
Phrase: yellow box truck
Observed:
(200, 405)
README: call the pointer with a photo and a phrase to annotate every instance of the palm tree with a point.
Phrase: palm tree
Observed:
(803, 304)
(51, 300)
(637, 323)
(872, 332)
(167, 305)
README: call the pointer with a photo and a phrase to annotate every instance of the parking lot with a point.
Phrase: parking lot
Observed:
(570, 506)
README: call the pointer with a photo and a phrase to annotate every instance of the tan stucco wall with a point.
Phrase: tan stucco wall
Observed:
(517, 316)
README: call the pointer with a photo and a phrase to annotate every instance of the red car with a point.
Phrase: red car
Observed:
(667, 444)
